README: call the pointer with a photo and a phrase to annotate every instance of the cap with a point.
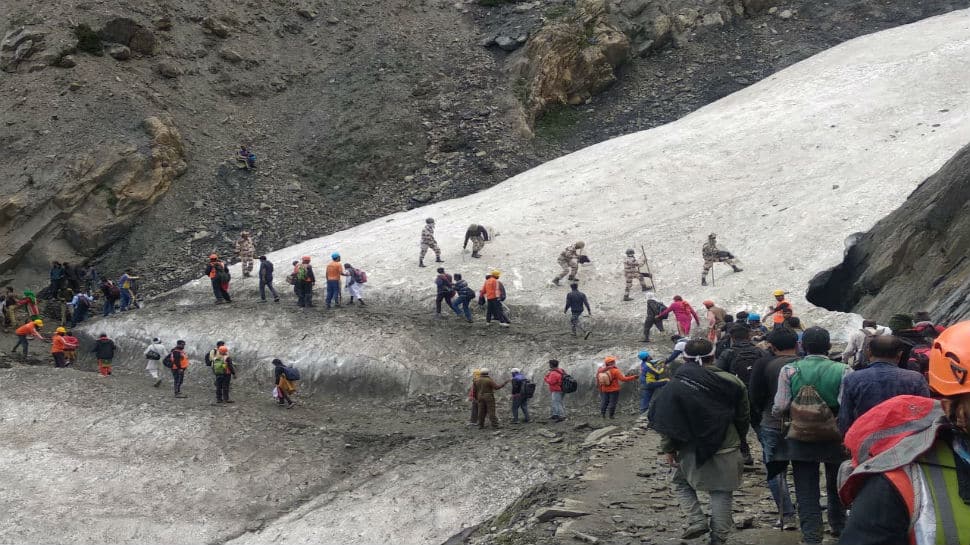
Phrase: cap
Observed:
(429, 220)
(496, 273)
(778, 293)
(515, 370)
(39, 323)
(60, 330)
(708, 303)
(335, 256)
(609, 359)
(156, 340)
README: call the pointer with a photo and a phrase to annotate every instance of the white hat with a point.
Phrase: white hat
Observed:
(515, 370)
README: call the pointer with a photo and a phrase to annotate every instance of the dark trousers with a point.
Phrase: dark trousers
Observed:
(178, 375)
(494, 310)
(218, 291)
(21, 340)
(806, 476)
(745, 448)
(304, 293)
(222, 387)
(474, 417)
(59, 360)
(333, 292)
(446, 297)
(263, 285)
(608, 401)
(486, 407)
(649, 324)
(109, 306)
(79, 314)
(646, 394)
(520, 402)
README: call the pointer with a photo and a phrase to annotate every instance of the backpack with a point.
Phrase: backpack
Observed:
(84, 302)
(291, 279)
(169, 361)
(291, 373)
(528, 388)
(222, 273)
(300, 273)
(70, 342)
(603, 378)
(919, 359)
(812, 421)
(115, 291)
(501, 291)
(568, 384)
(152, 355)
(360, 276)
(219, 365)
(862, 355)
(744, 358)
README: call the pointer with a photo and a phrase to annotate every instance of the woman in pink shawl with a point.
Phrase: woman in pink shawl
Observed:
(683, 312)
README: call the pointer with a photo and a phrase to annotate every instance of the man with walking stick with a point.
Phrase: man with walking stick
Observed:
(712, 255)
(631, 270)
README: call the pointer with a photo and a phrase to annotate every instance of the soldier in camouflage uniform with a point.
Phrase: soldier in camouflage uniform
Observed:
(631, 270)
(246, 251)
(569, 261)
(712, 255)
(428, 241)
(478, 234)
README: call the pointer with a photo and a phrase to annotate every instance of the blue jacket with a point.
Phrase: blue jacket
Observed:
(866, 388)
(650, 372)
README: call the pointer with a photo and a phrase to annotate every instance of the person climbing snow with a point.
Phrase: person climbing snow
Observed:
(356, 279)
(631, 271)
(712, 255)
(569, 261)
(428, 242)
(576, 302)
(218, 274)
(654, 309)
(478, 234)
(683, 312)
(246, 250)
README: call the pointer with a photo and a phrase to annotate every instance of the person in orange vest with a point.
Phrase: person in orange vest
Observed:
(493, 293)
(26, 331)
(335, 273)
(219, 275)
(608, 379)
(178, 362)
(779, 309)
(58, 347)
(907, 481)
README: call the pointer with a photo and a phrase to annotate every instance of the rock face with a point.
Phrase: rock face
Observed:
(95, 201)
(32, 49)
(914, 259)
(567, 62)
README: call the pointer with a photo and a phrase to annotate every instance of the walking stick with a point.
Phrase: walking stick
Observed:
(712, 273)
(646, 263)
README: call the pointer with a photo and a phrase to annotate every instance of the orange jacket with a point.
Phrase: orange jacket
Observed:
(491, 289)
(57, 344)
(335, 270)
(183, 362)
(617, 377)
(29, 330)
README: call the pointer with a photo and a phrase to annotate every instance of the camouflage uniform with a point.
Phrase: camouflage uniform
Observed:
(709, 252)
(428, 241)
(478, 235)
(247, 252)
(569, 261)
(631, 270)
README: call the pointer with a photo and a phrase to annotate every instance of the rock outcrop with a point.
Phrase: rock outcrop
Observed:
(569, 61)
(914, 259)
(94, 202)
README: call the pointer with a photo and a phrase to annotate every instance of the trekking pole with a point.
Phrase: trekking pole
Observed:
(712, 273)
(646, 263)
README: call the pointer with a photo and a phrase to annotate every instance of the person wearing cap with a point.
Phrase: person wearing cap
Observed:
(631, 272)
(758, 330)
(519, 399)
(104, 350)
(444, 292)
(553, 380)
(715, 320)
(485, 390)
(712, 255)
(218, 274)
(494, 293)
(569, 262)
(153, 354)
(266, 280)
(246, 250)
(653, 376)
(334, 273)
(776, 310)
(58, 347)
(179, 362)
(25, 332)
(223, 370)
(303, 280)
(907, 480)
(464, 296)
(428, 242)
(608, 379)
(827, 378)
(701, 414)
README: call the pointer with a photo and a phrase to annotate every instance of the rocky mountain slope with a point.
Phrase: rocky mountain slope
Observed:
(914, 259)
(355, 109)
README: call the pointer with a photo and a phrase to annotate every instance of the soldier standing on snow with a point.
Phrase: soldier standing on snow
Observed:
(712, 255)
(246, 251)
(569, 260)
(428, 241)
(479, 236)
(631, 270)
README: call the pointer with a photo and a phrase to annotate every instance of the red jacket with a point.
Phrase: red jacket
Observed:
(616, 378)
(554, 379)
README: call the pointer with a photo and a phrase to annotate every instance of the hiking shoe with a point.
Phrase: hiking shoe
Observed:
(627, 298)
(439, 260)
(361, 302)
(476, 254)
(738, 269)
(420, 263)
(788, 523)
(748, 460)
(695, 530)
(277, 300)
(261, 301)
(290, 405)
(703, 280)
(644, 288)
(504, 324)
(181, 396)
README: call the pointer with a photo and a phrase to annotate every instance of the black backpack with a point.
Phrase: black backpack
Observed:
(744, 358)
(569, 384)
(528, 388)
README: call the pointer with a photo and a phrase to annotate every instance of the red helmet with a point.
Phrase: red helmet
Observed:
(223, 349)
(949, 372)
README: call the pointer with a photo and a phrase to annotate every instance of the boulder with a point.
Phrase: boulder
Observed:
(163, 23)
(507, 43)
(18, 48)
(127, 32)
(754, 7)
(230, 55)
(120, 52)
(216, 27)
(596, 436)
(168, 69)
